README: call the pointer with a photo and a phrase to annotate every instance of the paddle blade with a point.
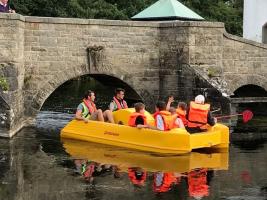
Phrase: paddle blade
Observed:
(247, 115)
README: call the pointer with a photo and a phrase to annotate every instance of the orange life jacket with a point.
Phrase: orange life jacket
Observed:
(197, 183)
(133, 117)
(134, 179)
(198, 115)
(181, 114)
(167, 119)
(119, 106)
(90, 105)
(165, 185)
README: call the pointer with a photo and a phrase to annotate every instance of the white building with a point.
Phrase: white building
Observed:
(255, 20)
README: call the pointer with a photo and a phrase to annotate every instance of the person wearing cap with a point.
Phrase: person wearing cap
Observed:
(199, 115)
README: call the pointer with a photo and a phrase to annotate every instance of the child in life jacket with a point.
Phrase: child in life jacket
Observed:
(181, 112)
(163, 118)
(177, 121)
(138, 118)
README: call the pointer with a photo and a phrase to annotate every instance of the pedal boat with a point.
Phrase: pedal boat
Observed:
(175, 141)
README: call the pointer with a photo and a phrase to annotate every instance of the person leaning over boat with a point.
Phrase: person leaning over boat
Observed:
(163, 118)
(138, 118)
(87, 110)
(199, 116)
(118, 102)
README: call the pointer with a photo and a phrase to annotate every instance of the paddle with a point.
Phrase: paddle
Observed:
(247, 115)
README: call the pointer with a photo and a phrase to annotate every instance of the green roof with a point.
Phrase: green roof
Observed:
(167, 9)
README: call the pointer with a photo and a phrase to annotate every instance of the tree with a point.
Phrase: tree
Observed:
(228, 11)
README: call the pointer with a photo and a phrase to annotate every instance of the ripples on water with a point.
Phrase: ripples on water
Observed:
(37, 165)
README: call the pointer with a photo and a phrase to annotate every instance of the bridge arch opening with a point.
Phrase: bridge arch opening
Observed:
(264, 33)
(68, 95)
(250, 97)
(250, 91)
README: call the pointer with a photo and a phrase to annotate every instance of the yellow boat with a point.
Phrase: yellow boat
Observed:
(125, 158)
(175, 141)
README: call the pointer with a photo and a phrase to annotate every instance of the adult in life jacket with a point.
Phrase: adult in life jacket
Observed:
(197, 183)
(87, 110)
(118, 102)
(162, 182)
(163, 118)
(199, 116)
(137, 176)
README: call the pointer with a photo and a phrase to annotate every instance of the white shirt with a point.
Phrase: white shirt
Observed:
(160, 123)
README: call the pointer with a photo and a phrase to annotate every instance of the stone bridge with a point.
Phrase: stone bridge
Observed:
(154, 59)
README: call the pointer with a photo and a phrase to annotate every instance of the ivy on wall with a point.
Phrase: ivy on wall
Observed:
(4, 84)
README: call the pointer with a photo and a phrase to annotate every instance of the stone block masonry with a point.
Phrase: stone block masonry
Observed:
(156, 59)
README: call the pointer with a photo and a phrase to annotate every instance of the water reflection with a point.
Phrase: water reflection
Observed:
(160, 174)
(35, 166)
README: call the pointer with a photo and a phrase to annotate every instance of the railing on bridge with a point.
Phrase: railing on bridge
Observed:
(248, 100)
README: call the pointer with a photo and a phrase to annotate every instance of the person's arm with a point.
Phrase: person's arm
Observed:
(111, 106)
(211, 120)
(170, 101)
(179, 123)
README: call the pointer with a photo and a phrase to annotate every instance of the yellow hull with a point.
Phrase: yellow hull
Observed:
(175, 141)
(125, 159)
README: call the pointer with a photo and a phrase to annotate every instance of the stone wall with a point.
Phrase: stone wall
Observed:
(244, 62)
(12, 72)
(56, 50)
(155, 59)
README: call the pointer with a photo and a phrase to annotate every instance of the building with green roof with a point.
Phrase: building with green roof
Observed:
(167, 10)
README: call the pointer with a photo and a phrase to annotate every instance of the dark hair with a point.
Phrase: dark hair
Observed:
(138, 175)
(182, 105)
(118, 90)
(161, 105)
(88, 93)
(172, 110)
(139, 106)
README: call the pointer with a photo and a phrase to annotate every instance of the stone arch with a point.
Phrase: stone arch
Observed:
(53, 83)
(264, 33)
(250, 90)
(238, 82)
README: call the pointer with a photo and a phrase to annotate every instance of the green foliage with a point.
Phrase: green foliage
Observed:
(4, 84)
(228, 11)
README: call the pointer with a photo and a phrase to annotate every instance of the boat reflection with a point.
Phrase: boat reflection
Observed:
(162, 172)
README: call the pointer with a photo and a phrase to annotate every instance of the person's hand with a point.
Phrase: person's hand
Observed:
(215, 120)
(86, 120)
(171, 99)
(12, 11)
